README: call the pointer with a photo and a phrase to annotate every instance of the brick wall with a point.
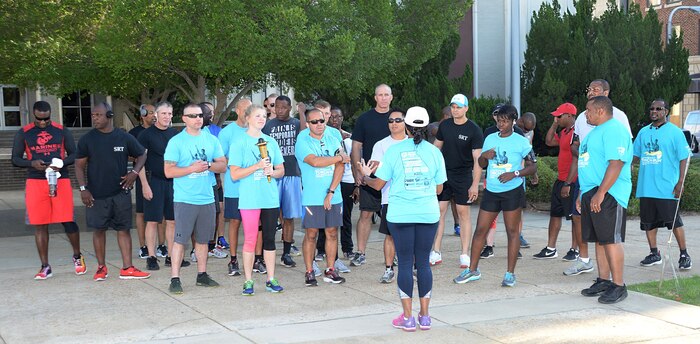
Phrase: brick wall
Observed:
(12, 178)
(686, 19)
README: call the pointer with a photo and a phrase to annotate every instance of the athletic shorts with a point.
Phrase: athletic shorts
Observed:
(317, 217)
(218, 197)
(111, 212)
(456, 187)
(231, 210)
(290, 196)
(384, 225)
(370, 199)
(503, 201)
(560, 206)
(42, 209)
(197, 219)
(657, 213)
(139, 196)
(607, 226)
(161, 205)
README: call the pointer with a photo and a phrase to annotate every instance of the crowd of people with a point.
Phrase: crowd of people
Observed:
(268, 169)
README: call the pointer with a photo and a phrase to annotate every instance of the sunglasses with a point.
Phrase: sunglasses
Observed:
(45, 119)
(656, 109)
(195, 115)
(271, 105)
(317, 121)
(395, 120)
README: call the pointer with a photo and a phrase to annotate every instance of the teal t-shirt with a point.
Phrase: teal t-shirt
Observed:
(184, 149)
(510, 152)
(226, 136)
(329, 131)
(660, 151)
(414, 172)
(317, 180)
(608, 141)
(255, 191)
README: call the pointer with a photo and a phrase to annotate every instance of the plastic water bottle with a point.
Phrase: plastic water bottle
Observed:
(52, 183)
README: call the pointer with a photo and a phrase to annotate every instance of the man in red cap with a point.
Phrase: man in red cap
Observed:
(565, 189)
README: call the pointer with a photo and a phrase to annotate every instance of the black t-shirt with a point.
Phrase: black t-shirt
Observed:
(108, 158)
(136, 131)
(458, 141)
(370, 127)
(493, 129)
(155, 140)
(285, 133)
(54, 141)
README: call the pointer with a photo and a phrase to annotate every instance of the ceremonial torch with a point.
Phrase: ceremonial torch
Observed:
(262, 146)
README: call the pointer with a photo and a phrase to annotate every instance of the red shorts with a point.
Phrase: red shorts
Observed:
(42, 209)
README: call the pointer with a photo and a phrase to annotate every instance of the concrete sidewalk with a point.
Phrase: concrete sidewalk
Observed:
(544, 307)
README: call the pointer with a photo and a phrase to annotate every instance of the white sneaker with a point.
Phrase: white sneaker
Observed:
(341, 267)
(435, 257)
(464, 261)
(218, 252)
(193, 257)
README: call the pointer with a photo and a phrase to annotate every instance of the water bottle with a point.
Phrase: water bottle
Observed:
(52, 183)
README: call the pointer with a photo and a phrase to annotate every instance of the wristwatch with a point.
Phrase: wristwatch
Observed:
(330, 191)
(208, 164)
(517, 173)
(82, 188)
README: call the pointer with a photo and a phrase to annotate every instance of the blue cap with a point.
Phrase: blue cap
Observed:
(460, 100)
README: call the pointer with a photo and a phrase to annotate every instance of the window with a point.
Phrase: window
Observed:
(672, 1)
(76, 108)
(651, 3)
(9, 107)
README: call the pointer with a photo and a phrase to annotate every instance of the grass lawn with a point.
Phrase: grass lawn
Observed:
(689, 289)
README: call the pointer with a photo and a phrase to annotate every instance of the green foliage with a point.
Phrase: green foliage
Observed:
(481, 109)
(566, 52)
(547, 176)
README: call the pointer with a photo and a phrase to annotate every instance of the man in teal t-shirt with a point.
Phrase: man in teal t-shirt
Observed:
(662, 152)
(605, 176)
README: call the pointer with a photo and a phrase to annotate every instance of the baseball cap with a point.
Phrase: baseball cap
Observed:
(460, 100)
(417, 117)
(496, 108)
(565, 108)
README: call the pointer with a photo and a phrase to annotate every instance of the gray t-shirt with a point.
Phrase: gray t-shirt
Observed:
(285, 133)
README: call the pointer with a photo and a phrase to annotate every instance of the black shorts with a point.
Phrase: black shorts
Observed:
(218, 197)
(370, 199)
(231, 210)
(606, 227)
(656, 213)
(111, 212)
(139, 196)
(383, 226)
(456, 187)
(503, 201)
(560, 206)
(161, 205)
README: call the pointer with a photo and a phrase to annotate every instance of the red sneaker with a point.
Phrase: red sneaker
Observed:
(133, 273)
(44, 273)
(80, 268)
(101, 273)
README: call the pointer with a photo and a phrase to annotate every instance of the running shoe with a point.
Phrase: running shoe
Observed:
(218, 252)
(435, 257)
(487, 252)
(259, 266)
(44, 273)
(80, 267)
(273, 286)
(579, 267)
(340, 266)
(184, 264)
(684, 263)
(405, 324)
(598, 287)
(508, 280)
(203, 280)
(571, 256)
(248, 288)
(523, 242)
(387, 277)
(287, 261)
(467, 276)
(348, 255)
(464, 261)
(331, 276)
(175, 286)
(316, 269)
(193, 257)
(143, 252)
(152, 264)
(424, 322)
(294, 251)
(162, 251)
(520, 255)
(133, 273)
(279, 227)
(652, 259)
(614, 294)
(101, 273)
(457, 230)
(310, 279)
(546, 253)
(358, 260)
(233, 268)
(320, 257)
(221, 241)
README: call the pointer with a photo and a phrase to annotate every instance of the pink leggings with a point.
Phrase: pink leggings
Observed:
(251, 218)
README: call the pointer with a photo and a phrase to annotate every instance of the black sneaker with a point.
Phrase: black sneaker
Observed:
(287, 261)
(614, 294)
(143, 252)
(331, 276)
(184, 264)
(233, 268)
(169, 262)
(162, 251)
(652, 259)
(684, 263)
(259, 266)
(310, 279)
(546, 253)
(597, 288)
(571, 256)
(175, 286)
(520, 255)
(152, 264)
(279, 227)
(487, 252)
(204, 280)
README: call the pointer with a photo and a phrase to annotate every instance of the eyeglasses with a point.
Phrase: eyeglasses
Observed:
(656, 109)
(594, 89)
(395, 120)
(195, 115)
(45, 119)
(317, 121)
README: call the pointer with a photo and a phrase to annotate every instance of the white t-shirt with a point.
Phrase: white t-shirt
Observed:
(378, 153)
(347, 173)
(582, 128)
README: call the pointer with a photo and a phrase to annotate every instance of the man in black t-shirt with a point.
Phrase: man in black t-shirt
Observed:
(105, 192)
(460, 140)
(370, 127)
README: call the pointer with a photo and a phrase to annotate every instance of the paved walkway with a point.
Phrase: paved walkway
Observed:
(544, 307)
